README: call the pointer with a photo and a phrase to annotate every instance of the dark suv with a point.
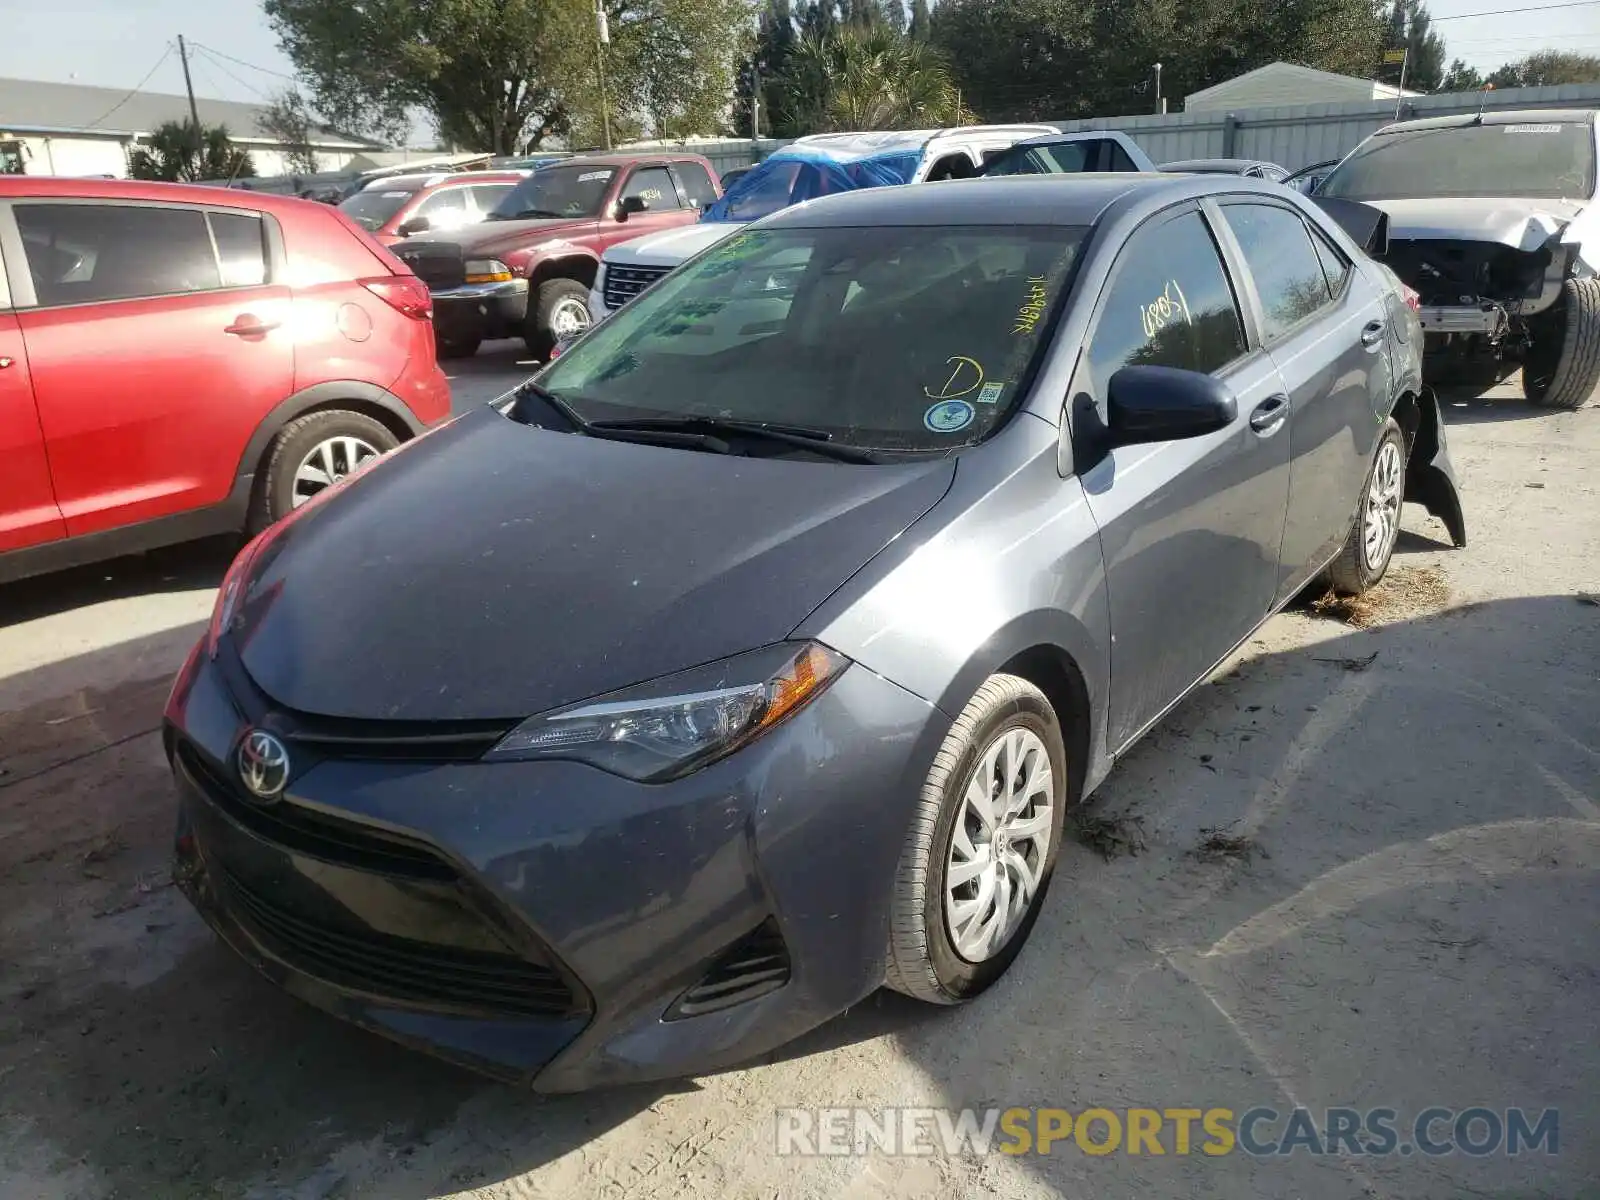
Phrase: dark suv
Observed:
(527, 269)
(181, 361)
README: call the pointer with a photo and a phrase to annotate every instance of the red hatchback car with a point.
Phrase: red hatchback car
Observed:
(180, 361)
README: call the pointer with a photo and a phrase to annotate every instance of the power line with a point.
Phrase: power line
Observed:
(249, 87)
(133, 91)
(269, 71)
(1500, 12)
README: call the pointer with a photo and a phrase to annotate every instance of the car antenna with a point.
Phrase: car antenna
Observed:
(1483, 98)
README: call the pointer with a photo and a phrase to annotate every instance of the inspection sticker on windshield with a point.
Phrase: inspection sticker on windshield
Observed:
(1533, 129)
(989, 393)
(591, 176)
(949, 416)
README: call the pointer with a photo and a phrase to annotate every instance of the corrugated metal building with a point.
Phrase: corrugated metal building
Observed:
(70, 129)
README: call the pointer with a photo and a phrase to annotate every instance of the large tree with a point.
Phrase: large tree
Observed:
(178, 152)
(775, 37)
(1411, 30)
(503, 75)
(1461, 78)
(920, 20)
(865, 80)
(1547, 69)
(289, 120)
(1041, 59)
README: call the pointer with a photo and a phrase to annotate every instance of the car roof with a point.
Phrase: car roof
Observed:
(214, 196)
(1064, 199)
(624, 160)
(1505, 116)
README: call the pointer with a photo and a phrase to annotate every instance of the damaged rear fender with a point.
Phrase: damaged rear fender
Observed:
(1430, 477)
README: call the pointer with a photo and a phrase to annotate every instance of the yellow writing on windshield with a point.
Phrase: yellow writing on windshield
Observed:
(1165, 309)
(1033, 305)
(966, 376)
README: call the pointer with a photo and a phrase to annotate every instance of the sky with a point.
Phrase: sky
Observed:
(117, 43)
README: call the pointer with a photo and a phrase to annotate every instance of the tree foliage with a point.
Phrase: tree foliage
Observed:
(1038, 59)
(178, 152)
(289, 120)
(865, 79)
(1461, 78)
(1411, 29)
(503, 75)
(1547, 69)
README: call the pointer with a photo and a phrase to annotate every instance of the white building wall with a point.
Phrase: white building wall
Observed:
(76, 156)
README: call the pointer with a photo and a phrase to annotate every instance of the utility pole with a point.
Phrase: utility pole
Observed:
(755, 111)
(188, 86)
(603, 41)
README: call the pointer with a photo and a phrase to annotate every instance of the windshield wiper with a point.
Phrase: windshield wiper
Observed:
(819, 441)
(648, 436)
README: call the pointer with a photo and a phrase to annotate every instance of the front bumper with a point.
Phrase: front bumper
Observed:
(481, 310)
(541, 921)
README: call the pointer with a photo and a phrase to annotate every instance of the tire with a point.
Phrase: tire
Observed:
(343, 432)
(1562, 368)
(924, 960)
(456, 347)
(551, 301)
(1360, 566)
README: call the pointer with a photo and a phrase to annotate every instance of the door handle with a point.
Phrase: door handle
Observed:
(1269, 416)
(248, 325)
(1372, 334)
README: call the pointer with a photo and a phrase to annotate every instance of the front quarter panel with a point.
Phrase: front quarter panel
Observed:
(1009, 560)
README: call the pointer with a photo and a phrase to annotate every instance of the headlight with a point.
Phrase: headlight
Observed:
(487, 270)
(669, 727)
(230, 591)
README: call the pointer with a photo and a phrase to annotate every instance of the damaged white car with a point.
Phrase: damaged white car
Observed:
(1493, 220)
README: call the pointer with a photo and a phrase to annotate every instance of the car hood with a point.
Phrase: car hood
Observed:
(670, 247)
(1521, 224)
(495, 570)
(494, 237)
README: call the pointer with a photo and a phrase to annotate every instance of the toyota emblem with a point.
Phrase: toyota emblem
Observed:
(263, 765)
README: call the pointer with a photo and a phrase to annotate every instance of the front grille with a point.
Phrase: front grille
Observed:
(753, 966)
(624, 283)
(315, 834)
(400, 969)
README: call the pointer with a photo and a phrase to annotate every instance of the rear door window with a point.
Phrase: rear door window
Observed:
(696, 184)
(1169, 304)
(241, 248)
(82, 253)
(1283, 261)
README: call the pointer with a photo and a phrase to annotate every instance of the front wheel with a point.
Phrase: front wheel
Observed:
(1367, 551)
(1562, 368)
(978, 856)
(558, 312)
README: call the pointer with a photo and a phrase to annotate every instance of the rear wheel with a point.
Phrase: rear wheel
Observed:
(560, 310)
(977, 859)
(313, 453)
(1367, 551)
(1562, 368)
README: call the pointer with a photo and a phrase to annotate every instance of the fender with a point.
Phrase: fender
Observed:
(1430, 479)
(319, 395)
(570, 262)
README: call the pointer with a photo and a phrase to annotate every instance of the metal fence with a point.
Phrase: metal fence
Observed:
(1299, 135)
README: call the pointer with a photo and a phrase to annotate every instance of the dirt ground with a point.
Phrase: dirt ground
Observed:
(1369, 876)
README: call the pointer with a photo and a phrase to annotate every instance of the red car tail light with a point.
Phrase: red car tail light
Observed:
(1412, 297)
(404, 293)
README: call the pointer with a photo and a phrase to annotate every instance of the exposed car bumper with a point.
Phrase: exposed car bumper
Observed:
(541, 921)
(1488, 319)
(481, 310)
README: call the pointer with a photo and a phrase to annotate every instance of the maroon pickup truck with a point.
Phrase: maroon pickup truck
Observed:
(526, 270)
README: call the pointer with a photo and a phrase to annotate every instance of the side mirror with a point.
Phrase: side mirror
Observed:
(414, 225)
(629, 205)
(1164, 404)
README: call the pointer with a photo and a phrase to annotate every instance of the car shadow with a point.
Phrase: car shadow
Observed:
(178, 568)
(1488, 402)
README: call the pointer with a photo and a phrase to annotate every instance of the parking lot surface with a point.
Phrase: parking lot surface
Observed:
(1369, 874)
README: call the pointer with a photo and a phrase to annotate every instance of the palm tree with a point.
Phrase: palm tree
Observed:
(175, 154)
(874, 78)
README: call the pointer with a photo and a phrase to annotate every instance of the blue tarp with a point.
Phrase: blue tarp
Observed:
(791, 176)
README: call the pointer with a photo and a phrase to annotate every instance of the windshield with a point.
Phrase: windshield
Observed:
(1531, 160)
(888, 338)
(576, 191)
(370, 209)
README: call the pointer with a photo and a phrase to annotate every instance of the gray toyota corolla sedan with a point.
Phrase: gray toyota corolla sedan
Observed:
(749, 658)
